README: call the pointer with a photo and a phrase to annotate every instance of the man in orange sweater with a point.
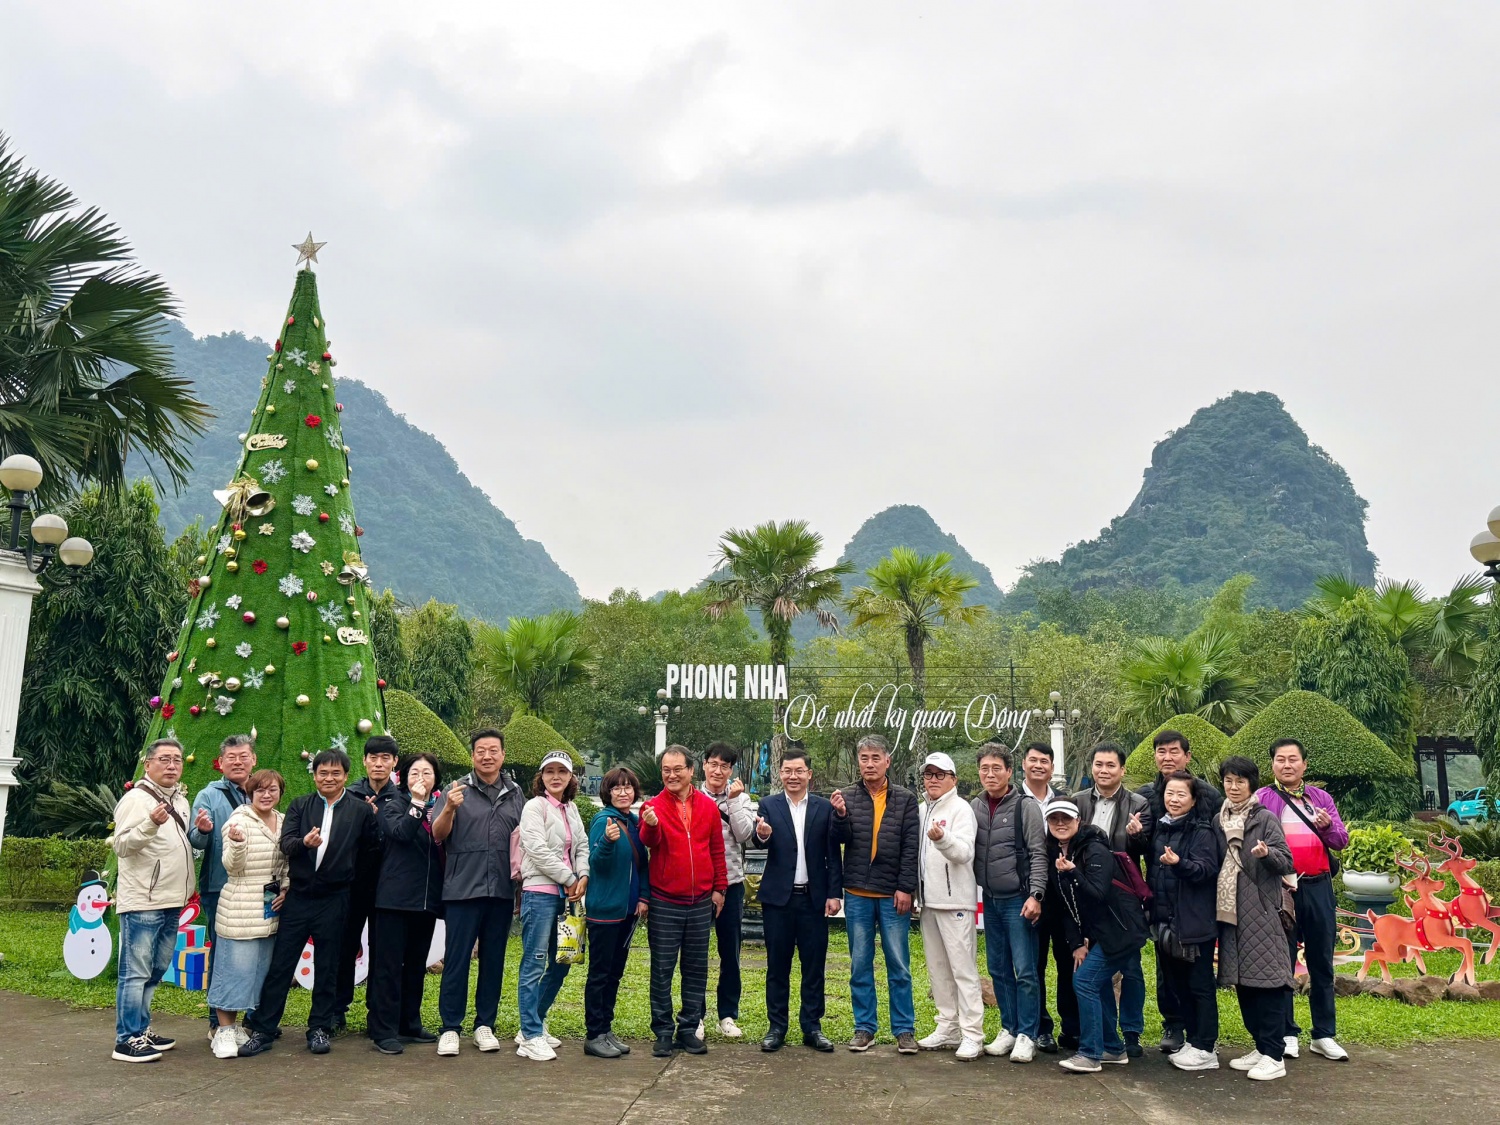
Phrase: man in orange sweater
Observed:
(680, 827)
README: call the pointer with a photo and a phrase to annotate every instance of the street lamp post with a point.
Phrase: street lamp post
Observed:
(659, 715)
(20, 562)
(1056, 725)
(1485, 547)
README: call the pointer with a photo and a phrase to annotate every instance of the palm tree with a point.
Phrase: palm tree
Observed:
(85, 375)
(534, 656)
(914, 595)
(772, 569)
(1444, 629)
(1455, 622)
(1199, 675)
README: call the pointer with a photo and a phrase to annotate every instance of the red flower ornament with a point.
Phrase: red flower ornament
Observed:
(299, 647)
(168, 710)
(313, 421)
(259, 566)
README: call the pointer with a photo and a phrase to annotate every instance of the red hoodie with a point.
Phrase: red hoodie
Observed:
(687, 847)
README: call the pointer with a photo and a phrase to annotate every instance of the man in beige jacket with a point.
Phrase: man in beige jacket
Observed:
(156, 879)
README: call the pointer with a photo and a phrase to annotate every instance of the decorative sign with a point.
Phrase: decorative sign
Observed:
(349, 635)
(258, 442)
(724, 681)
(869, 708)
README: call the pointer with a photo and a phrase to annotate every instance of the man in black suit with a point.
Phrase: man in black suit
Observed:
(800, 890)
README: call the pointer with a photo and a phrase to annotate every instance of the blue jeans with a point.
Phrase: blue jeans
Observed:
(147, 941)
(1098, 1015)
(1133, 997)
(1010, 951)
(862, 917)
(541, 976)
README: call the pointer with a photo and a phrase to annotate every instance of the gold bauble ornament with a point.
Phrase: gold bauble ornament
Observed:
(201, 559)
(350, 599)
(239, 533)
(356, 613)
(232, 566)
(312, 464)
(230, 552)
(327, 640)
(270, 408)
(303, 701)
(192, 757)
(211, 643)
(270, 669)
(232, 684)
(345, 482)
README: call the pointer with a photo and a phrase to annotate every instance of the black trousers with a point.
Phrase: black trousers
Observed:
(1317, 927)
(727, 930)
(303, 917)
(676, 932)
(1193, 986)
(1168, 1003)
(398, 968)
(482, 920)
(609, 948)
(1264, 1013)
(361, 911)
(1049, 934)
(799, 927)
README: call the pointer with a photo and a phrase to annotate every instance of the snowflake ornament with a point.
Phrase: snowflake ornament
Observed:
(332, 693)
(291, 585)
(356, 672)
(335, 439)
(340, 742)
(289, 387)
(331, 489)
(254, 678)
(268, 529)
(272, 471)
(327, 567)
(314, 368)
(303, 542)
(233, 601)
(297, 356)
(209, 617)
(224, 704)
(332, 614)
(223, 544)
(346, 523)
(243, 650)
(303, 505)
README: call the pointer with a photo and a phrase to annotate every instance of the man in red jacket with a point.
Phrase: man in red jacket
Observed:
(680, 826)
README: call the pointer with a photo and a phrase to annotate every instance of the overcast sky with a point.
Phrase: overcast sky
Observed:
(655, 270)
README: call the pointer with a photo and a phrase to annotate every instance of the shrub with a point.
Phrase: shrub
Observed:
(587, 809)
(1375, 849)
(419, 730)
(1367, 779)
(52, 865)
(527, 741)
(1210, 746)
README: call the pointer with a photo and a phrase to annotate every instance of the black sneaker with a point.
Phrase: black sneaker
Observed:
(135, 1050)
(662, 1049)
(1066, 1042)
(384, 1046)
(421, 1035)
(1133, 1047)
(160, 1042)
(1046, 1044)
(257, 1044)
(691, 1042)
(339, 1029)
(1171, 1040)
(318, 1042)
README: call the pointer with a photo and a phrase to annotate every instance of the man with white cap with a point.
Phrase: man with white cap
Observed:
(948, 893)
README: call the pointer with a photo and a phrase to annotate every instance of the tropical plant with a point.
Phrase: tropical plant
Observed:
(1351, 656)
(391, 662)
(1374, 849)
(85, 375)
(77, 810)
(1444, 629)
(1454, 626)
(772, 569)
(1201, 675)
(1481, 713)
(439, 647)
(534, 657)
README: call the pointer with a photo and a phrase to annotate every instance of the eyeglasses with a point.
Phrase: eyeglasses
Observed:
(164, 760)
(623, 789)
(673, 771)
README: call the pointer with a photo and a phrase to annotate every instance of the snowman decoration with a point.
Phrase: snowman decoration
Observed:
(89, 944)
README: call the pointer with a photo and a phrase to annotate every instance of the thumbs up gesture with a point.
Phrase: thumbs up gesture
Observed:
(762, 828)
(314, 839)
(1168, 856)
(612, 830)
(648, 815)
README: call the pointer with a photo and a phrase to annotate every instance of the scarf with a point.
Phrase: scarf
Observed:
(1232, 819)
(1299, 793)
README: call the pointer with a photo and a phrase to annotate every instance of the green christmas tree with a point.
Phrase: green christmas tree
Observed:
(277, 636)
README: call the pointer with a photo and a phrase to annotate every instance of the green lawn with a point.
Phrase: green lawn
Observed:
(32, 945)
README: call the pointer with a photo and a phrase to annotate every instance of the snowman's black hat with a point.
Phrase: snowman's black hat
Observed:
(91, 878)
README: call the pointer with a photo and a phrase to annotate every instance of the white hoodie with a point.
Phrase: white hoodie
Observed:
(946, 867)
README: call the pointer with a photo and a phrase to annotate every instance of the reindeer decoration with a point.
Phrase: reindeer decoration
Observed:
(1428, 929)
(1471, 909)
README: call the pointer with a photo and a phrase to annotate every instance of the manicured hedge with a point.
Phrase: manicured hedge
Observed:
(419, 730)
(528, 739)
(49, 867)
(1209, 745)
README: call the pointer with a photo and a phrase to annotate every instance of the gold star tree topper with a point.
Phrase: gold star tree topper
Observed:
(307, 250)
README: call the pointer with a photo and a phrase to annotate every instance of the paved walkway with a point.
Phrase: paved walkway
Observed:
(55, 1067)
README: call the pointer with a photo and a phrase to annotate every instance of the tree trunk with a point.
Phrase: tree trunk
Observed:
(916, 655)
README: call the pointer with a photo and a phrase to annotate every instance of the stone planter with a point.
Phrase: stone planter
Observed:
(1371, 885)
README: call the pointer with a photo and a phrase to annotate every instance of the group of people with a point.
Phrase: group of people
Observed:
(1223, 885)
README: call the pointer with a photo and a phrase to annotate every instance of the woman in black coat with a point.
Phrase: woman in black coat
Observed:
(1188, 851)
(408, 901)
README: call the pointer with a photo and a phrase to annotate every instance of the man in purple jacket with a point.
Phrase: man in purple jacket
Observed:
(1314, 832)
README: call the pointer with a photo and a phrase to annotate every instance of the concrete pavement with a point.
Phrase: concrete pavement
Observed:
(55, 1067)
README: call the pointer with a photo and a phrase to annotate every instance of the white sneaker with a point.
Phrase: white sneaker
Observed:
(241, 1036)
(448, 1044)
(729, 1029)
(1001, 1045)
(552, 1040)
(1267, 1069)
(700, 1029)
(1329, 1049)
(1289, 1047)
(969, 1049)
(484, 1039)
(939, 1040)
(536, 1049)
(1246, 1062)
(1191, 1058)
(224, 1045)
(1024, 1051)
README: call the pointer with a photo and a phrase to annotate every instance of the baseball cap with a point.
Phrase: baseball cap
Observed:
(563, 758)
(941, 760)
(1060, 806)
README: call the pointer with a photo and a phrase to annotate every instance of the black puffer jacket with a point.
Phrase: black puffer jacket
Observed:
(1093, 905)
(895, 866)
(1187, 891)
(411, 876)
(1205, 797)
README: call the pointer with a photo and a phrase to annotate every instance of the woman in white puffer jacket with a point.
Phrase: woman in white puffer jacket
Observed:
(245, 926)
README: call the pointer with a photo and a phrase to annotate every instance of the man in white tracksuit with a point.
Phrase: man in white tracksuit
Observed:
(948, 894)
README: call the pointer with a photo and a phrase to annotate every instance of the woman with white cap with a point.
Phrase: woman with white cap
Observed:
(554, 874)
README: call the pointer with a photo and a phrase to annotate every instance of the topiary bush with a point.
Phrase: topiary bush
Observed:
(1368, 780)
(527, 741)
(1209, 745)
(418, 730)
(587, 809)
